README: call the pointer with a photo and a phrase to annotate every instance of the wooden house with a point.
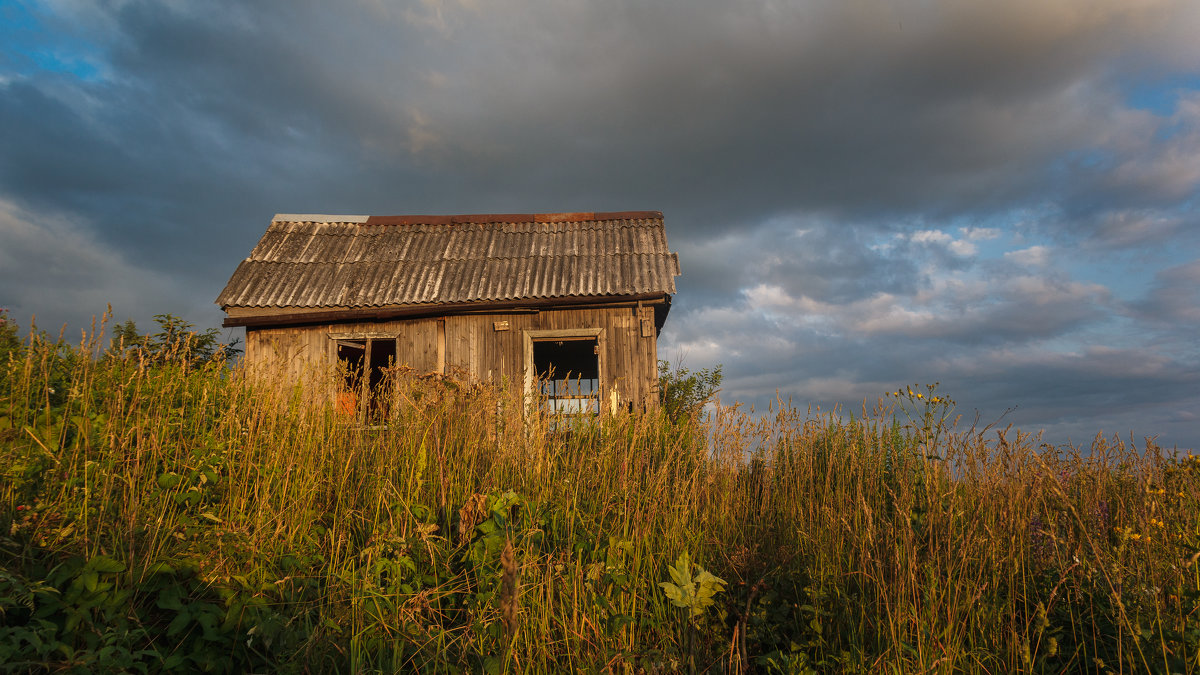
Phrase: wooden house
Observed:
(566, 304)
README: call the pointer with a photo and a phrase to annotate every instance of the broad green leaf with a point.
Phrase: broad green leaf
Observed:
(170, 598)
(179, 623)
(673, 593)
(106, 565)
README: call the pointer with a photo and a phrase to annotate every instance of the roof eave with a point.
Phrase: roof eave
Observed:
(338, 315)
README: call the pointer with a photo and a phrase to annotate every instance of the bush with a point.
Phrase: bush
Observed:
(684, 393)
(175, 340)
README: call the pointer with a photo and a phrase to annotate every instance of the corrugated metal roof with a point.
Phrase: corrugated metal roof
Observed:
(371, 261)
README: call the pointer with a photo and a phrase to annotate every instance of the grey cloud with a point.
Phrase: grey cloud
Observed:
(814, 257)
(1028, 309)
(1140, 391)
(1174, 299)
(1071, 396)
(51, 269)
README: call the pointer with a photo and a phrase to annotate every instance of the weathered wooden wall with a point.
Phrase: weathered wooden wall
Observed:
(472, 345)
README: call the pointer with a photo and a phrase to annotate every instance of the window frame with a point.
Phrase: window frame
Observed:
(530, 336)
(368, 337)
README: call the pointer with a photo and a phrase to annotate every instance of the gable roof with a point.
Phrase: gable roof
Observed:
(321, 262)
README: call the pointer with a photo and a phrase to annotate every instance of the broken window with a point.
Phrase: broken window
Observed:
(366, 368)
(568, 374)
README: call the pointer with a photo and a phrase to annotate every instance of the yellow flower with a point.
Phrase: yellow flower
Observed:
(910, 392)
(920, 395)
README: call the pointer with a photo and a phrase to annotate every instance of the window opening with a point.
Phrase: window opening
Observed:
(367, 385)
(568, 375)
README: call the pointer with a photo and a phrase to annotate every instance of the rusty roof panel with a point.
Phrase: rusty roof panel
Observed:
(362, 261)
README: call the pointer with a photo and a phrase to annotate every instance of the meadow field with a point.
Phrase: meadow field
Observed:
(162, 512)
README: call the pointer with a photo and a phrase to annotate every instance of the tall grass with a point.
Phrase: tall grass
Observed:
(170, 514)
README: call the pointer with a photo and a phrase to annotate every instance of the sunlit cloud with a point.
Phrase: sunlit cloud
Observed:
(1034, 256)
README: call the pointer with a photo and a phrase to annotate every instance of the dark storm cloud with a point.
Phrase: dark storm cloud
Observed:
(206, 102)
(714, 112)
(840, 107)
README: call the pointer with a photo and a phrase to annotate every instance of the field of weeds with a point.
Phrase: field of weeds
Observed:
(169, 513)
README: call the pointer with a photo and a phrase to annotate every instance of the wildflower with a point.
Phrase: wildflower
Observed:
(920, 395)
(1135, 536)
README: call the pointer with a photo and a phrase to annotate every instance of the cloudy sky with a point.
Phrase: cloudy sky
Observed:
(1000, 196)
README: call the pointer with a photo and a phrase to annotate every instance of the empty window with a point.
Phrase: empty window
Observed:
(568, 374)
(366, 368)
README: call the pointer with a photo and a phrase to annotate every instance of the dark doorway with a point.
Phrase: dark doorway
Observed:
(568, 373)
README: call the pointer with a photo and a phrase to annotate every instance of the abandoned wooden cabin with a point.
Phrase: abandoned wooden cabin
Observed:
(568, 305)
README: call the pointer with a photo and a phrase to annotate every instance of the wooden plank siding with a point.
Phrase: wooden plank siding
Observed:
(471, 344)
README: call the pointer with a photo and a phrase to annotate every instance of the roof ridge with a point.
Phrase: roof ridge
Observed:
(469, 218)
(316, 218)
(362, 229)
(479, 257)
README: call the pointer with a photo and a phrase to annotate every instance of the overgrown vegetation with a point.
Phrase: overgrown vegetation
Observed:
(684, 393)
(172, 514)
(175, 340)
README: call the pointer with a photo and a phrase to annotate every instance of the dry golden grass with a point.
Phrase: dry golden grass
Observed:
(469, 534)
